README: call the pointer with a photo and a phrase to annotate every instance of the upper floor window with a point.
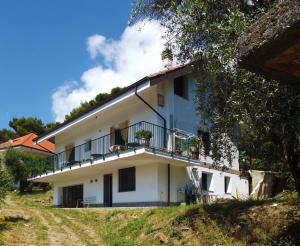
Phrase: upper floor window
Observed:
(181, 87)
(87, 145)
(205, 137)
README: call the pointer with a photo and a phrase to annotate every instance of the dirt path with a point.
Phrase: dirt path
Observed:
(44, 228)
(71, 234)
(86, 231)
(55, 237)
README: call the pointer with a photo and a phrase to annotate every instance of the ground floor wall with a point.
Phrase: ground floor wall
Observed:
(235, 187)
(157, 184)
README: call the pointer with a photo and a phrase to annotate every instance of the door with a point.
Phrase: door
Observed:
(107, 190)
(70, 153)
(119, 134)
(72, 196)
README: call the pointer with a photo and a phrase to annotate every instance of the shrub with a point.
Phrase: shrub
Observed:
(22, 165)
(5, 182)
(143, 134)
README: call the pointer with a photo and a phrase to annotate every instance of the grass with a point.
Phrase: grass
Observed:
(273, 221)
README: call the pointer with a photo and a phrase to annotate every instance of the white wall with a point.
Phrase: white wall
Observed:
(239, 186)
(178, 180)
(94, 189)
(152, 183)
(184, 113)
(146, 186)
(133, 110)
(182, 110)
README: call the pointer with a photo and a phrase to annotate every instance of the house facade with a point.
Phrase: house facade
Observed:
(138, 148)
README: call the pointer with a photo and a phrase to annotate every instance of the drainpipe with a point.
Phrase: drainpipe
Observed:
(169, 167)
(155, 111)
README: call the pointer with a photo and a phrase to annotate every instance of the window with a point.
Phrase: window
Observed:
(119, 134)
(206, 181)
(127, 179)
(160, 100)
(181, 87)
(205, 140)
(118, 137)
(70, 152)
(87, 145)
(227, 185)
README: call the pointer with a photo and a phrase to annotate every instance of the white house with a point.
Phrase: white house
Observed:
(135, 149)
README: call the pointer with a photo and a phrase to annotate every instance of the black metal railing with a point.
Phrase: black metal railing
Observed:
(142, 134)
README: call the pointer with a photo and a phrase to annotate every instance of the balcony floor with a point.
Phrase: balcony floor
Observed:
(138, 156)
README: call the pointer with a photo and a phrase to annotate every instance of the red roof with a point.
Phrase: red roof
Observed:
(27, 141)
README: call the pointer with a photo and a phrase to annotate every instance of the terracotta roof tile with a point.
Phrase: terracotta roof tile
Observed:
(27, 141)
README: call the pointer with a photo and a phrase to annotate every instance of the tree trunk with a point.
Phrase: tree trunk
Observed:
(296, 174)
(292, 158)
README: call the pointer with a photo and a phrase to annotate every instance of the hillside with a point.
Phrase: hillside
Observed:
(268, 222)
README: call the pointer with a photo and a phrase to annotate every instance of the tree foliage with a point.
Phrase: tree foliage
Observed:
(84, 106)
(265, 113)
(6, 134)
(5, 182)
(22, 126)
(23, 165)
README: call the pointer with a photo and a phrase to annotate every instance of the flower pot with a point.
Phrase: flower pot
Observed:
(195, 155)
(178, 151)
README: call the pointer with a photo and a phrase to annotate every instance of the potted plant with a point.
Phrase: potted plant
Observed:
(178, 146)
(194, 146)
(144, 137)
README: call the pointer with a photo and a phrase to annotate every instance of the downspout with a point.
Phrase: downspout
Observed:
(155, 111)
(168, 187)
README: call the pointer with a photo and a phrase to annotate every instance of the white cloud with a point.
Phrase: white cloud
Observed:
(134, 55)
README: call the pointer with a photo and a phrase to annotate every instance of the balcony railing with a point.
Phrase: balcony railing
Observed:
(142, 134)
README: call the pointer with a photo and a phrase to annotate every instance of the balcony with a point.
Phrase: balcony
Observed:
(140, 135)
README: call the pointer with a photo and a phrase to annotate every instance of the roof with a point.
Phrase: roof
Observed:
(154, 78)
(271, 45)
(27, 141)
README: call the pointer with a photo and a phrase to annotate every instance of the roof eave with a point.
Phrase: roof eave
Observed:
(92, 111)
(151, 79)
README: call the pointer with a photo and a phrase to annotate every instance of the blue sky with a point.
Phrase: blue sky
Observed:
(43, 44)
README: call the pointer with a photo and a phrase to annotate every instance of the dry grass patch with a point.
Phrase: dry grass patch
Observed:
(267, 222)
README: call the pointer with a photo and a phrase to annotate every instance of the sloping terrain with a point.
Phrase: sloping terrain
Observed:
(268, 222)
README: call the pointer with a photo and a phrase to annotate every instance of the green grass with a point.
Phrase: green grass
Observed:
(273, 221)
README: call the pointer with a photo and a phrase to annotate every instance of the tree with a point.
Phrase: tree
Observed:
(23, 126)
(50, 126)
(23, 165)
(5, 182)
(228, 97)
(84, 106)
(6, 134)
